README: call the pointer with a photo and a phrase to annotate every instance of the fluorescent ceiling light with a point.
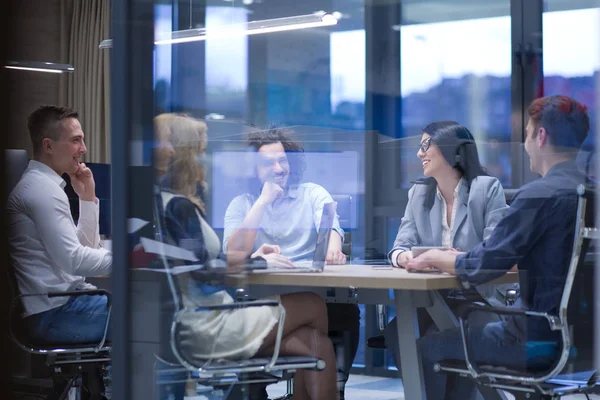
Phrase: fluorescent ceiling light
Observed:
(40, 66)
(248, 28)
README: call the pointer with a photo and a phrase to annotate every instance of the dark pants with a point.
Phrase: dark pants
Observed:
(489, 344)
(81, 320)
(344, 332)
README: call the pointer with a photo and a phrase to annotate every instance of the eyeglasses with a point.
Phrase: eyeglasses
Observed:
(424, 145)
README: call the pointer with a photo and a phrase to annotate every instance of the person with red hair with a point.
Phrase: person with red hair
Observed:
(536, 234)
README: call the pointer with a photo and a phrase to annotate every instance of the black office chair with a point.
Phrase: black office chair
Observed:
(66, 363)
(574, 322)
(221, 374)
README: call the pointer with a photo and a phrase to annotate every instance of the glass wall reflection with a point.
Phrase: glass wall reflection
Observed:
(458, 67)
(575, 79)
(455, 63)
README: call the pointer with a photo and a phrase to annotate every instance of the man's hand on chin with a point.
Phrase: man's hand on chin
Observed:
(83, 183)
(270, 192)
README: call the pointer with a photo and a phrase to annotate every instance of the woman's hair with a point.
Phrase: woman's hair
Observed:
(459, 150)
(189, 139)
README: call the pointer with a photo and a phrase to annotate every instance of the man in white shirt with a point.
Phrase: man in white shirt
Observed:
(49, 252)
(286, 212)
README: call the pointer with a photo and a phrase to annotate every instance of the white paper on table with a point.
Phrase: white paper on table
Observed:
(155, 247)
(135, 224)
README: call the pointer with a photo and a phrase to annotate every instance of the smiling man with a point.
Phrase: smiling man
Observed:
(536, 234)
(282, 211)
(49, 252)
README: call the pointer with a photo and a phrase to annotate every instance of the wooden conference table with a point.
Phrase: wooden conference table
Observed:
(372, 285)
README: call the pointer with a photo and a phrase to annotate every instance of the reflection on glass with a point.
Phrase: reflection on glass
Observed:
(348, 78)
(458, 70)
(226, 64)
(162, 58)
(572, 57)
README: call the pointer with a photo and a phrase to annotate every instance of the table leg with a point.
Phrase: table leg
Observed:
(442, 315)
(408, 333)
(444, 318)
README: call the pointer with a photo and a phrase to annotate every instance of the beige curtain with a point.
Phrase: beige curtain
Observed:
(86, 23)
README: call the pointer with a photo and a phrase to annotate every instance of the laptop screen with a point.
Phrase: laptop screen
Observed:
(323, 234)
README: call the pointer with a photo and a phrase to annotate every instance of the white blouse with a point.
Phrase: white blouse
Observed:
(447, 229)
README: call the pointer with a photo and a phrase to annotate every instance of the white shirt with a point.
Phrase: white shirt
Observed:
(48, 252)
(446, 229)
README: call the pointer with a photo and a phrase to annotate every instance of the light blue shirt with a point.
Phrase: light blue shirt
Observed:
(290, 222)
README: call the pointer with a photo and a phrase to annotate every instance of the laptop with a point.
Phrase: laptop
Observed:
(318, 262)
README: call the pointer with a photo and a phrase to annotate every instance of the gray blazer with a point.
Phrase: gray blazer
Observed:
(478, 212)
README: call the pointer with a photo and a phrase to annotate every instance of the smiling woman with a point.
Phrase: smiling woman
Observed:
(455, 205)
(448, 152)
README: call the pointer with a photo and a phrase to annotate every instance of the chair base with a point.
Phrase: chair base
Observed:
(542, 391)
(59, 384)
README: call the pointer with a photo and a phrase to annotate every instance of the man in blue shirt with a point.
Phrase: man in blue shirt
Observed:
(536, 235)
(284, 212)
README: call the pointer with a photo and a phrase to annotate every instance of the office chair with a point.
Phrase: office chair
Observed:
(220, 374)
(574, 322)
(67, 363)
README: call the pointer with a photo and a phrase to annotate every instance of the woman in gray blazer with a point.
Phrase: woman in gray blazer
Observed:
(455, 205)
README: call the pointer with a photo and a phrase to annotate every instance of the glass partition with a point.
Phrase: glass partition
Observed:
(576, 20)
(232, 139)
(456, 65)
(354, 90)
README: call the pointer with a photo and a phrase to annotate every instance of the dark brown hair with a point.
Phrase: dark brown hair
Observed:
(44, 123)
(293, 148)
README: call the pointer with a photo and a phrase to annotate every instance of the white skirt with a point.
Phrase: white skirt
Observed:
(230, 334)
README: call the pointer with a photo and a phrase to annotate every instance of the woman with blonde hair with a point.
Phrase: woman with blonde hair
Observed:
(184, 172)
(244, 332)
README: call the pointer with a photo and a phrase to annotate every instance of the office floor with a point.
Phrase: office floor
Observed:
(362, 387)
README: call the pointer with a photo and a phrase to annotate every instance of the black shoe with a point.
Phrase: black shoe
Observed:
(376, 342)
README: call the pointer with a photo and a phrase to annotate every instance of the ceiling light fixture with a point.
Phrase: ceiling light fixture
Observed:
(244, 29)
(39, 66)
